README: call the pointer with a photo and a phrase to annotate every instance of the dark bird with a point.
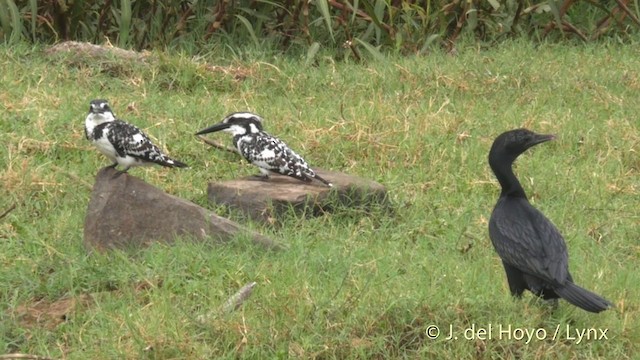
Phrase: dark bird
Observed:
(122, 143)
(267, 152)
(533, 252)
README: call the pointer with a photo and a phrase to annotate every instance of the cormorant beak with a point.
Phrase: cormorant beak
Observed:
(540, 138)
(214, 128)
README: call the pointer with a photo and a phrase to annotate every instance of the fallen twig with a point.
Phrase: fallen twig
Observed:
(562, 11)
(623, 5)
(575, 30)
(238, 298)
(233, 303)
(218, 145)
(6, 212)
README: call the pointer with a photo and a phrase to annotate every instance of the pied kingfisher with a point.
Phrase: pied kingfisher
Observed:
(122, 143)
(268, 153)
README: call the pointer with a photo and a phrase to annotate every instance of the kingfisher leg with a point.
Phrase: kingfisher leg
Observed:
(120, 172)
(264, 174)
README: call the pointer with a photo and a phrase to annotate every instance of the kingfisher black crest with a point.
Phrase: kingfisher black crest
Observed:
(267, 152)
(122, 143)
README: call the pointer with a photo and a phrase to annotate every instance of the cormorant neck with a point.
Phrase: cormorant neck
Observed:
(502, 167)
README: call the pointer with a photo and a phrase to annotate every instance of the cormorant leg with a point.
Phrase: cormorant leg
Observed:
(515, 277)
(539, 287)
(552, 303)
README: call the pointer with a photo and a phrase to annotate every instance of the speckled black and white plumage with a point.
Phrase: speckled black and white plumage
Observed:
(267, 152)
(123, 143)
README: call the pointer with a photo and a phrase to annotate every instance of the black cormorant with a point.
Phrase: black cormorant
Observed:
(533, 252)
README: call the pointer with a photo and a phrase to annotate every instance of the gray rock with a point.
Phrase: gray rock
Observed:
(269, 200)
(125, 212)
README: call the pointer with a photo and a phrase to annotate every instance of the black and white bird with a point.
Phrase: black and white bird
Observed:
(121, 142)
(268, 153)
(532, 249)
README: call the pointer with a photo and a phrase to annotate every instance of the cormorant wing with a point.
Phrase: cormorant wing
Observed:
(526, 239)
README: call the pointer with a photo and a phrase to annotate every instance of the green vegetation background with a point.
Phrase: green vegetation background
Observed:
(350, 285)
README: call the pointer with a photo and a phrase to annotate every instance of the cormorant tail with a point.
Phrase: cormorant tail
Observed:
(583, 298)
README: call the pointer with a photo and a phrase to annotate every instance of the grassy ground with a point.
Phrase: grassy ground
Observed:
(350, 285)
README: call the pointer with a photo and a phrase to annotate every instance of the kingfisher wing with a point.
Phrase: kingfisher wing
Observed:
(129, 140)
(273, 154)
(526, 239)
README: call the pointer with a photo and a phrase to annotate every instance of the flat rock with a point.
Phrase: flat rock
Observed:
(125, 212)
(268, 200)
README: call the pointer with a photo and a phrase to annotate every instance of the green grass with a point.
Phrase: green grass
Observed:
(349, 285)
